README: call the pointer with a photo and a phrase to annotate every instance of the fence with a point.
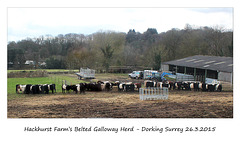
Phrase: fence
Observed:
(153, 93)
(184, 77)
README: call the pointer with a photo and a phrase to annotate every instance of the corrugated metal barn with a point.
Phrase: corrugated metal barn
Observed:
(202, 67)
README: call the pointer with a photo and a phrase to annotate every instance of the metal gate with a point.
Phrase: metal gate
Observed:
(153, 93)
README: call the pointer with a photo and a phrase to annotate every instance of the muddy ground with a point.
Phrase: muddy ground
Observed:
(114, 104)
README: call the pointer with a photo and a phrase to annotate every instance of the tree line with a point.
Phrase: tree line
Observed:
(109, 48)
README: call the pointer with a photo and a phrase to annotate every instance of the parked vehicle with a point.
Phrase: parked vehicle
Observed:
(136, 74)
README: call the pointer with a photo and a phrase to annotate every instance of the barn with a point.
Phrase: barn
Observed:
(202, 67)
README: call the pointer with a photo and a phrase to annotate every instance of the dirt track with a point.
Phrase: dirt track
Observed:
(180, 104)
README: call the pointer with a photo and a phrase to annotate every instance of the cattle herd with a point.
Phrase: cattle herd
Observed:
(185, 85)
(36, 89)
(100, 86)
(122, 86)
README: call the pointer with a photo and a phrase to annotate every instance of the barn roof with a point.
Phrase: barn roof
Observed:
(215, 63)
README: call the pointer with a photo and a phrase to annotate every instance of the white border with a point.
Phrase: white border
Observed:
(16, 142)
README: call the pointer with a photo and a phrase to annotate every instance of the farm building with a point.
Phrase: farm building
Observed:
(202, 67)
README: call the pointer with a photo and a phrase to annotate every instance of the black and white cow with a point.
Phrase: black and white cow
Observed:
(129, 87)
(45, 89)
(204, 87)
(20, 88)
(105, 85)
(121, 86)
(52, 87)
(28, 89)
(81, 87)
(197, 86)
(211, 87)
(218, 88)
(65, 88)
(178, 85)
(126, 87)
(186, 85)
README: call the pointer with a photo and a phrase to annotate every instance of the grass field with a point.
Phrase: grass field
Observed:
(56, 79)
(48, 70)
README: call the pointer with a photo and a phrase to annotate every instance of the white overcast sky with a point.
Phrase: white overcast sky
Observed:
(34, 22)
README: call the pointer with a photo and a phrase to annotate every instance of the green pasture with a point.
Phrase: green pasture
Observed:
(48, 70)
(56, 79)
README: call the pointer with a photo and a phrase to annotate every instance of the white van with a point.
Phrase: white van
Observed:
(136, 74)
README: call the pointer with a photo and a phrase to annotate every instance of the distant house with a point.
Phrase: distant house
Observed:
(29, 62)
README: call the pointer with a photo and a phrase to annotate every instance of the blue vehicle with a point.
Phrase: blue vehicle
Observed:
(155, 75)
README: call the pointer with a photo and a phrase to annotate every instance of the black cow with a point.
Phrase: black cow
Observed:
(35, 89)
(93, 86)
(196, 86)
(129, 87)
(211, 87)
(148, 83)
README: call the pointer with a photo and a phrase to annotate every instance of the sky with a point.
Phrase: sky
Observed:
(34, 22)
